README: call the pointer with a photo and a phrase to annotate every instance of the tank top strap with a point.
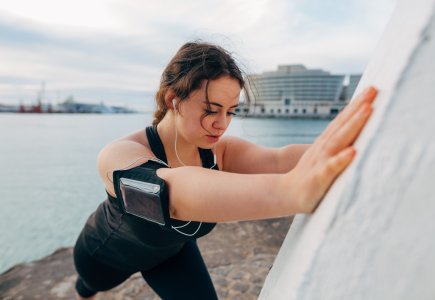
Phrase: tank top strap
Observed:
(156, 143)
(206, 155)
(207, 159)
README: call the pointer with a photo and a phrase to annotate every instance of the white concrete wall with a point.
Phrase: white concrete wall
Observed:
(373, 236)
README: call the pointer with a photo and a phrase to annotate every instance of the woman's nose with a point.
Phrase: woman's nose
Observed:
(221, 122)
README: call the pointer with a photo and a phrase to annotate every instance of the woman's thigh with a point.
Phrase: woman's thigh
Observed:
(183, 276)
(95, 276)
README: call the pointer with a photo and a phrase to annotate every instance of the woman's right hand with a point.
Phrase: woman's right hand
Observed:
(331, 152)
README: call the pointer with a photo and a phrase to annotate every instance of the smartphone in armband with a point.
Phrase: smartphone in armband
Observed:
(143, 194)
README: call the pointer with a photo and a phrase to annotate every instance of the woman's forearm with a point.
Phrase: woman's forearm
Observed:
(288, 156)
(213, 196)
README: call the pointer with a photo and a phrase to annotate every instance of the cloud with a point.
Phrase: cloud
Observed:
(112, 49)
(69, 61)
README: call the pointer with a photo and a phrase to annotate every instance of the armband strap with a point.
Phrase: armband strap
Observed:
(141, 193)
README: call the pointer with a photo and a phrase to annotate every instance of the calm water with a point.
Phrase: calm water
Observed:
(49, 184)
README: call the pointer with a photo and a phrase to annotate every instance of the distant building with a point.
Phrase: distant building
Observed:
(8, 108)
(70, 106)
(295, 91)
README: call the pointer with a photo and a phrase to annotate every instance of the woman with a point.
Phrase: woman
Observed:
(198, 94)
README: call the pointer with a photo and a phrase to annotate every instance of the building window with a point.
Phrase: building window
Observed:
(263, 110)
(246, 110)
(304, 111)
(315, 110)
(286, 110)
(279, 110)
(272, 111)
(287, 101)
(333, 111)
(295, 110)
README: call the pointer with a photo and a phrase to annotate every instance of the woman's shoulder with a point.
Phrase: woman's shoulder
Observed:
(127, 152)
(130, 145)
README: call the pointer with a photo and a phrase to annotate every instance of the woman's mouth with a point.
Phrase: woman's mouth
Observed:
(213, 138)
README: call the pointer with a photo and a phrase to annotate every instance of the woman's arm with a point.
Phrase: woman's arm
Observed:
(206, 195)
(200, 194)
(288, 156)
(241, 156)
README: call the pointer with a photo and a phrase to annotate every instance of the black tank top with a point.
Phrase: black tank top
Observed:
(129, 243)
(181, 230)
(207, 157)
(207, 161)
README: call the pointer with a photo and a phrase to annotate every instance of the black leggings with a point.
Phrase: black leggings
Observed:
(183, 276)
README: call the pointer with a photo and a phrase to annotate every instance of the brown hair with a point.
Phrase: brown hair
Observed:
(194, 62)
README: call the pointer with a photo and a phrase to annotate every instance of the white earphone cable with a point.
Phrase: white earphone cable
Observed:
(183, 164)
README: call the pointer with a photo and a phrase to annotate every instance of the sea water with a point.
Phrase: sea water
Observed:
(49, 184)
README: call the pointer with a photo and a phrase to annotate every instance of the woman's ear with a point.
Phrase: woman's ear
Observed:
(169, 97)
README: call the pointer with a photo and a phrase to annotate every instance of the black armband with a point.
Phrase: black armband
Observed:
(141, 193)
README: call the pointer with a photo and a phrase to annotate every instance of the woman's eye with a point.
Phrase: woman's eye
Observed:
(210, 112)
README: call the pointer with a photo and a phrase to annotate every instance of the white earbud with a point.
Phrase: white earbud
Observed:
(174, 103)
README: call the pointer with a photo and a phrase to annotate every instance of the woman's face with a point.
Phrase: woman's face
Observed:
(223, 94)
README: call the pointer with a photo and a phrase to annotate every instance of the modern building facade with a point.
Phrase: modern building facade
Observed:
(295, 91)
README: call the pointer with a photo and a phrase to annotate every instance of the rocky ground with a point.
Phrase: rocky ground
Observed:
(238, 255)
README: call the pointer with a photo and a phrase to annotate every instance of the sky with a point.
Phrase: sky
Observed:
(114, 51)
